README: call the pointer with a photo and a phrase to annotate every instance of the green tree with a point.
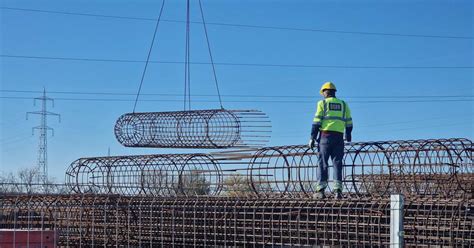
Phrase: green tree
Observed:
(193, 182)
(237, 185)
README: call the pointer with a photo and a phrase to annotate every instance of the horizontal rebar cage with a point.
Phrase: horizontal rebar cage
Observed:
(159, 175)
(421, 167)
(213, 128)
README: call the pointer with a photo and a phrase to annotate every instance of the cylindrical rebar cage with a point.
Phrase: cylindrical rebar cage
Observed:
(159, 175)
(422, 167)
(214, 128)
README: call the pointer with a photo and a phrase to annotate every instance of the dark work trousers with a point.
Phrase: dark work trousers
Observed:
(331, 145)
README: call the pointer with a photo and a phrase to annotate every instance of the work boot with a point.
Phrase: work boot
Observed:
(319, 195)
(338, 194)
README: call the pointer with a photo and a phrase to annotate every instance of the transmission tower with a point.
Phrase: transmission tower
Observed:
(43, 129)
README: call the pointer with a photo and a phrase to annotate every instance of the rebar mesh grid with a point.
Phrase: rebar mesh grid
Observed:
(449, 219)
(214, 128)
(111, 220)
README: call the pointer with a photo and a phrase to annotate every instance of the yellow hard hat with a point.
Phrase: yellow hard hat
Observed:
(327, 86)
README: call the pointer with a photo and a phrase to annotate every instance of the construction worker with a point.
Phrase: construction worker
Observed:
(332, 120)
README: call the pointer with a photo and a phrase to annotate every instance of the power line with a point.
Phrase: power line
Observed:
(236, 95)
(433, 126)
(233, 64)
(242, 101)
(15, 142)
(6, 140)
(241, 25)
(381, 125)
(385, 130)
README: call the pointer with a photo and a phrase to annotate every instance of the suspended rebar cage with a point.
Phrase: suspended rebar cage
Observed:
(214, 128)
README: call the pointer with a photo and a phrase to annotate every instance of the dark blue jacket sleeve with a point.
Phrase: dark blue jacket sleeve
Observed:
(315, 131)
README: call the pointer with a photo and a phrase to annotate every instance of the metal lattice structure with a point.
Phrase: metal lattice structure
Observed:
(214, 128)
(253, 198)
(421, 167)
(112, 220)
(43, 129)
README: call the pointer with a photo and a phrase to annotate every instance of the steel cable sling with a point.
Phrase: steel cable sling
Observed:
(208, 128)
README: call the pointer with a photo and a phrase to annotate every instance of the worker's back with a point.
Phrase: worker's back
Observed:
(333, 114)
(332, 119)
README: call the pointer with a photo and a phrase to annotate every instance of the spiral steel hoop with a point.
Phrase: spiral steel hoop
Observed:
(112, 220)
(214, 128)
(421, 167)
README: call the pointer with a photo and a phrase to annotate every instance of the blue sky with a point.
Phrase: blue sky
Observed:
(87, 126)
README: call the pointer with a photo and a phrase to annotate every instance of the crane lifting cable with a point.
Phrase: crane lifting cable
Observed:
(191, 128)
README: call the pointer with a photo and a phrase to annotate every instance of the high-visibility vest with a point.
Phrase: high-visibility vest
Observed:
(333, 114)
